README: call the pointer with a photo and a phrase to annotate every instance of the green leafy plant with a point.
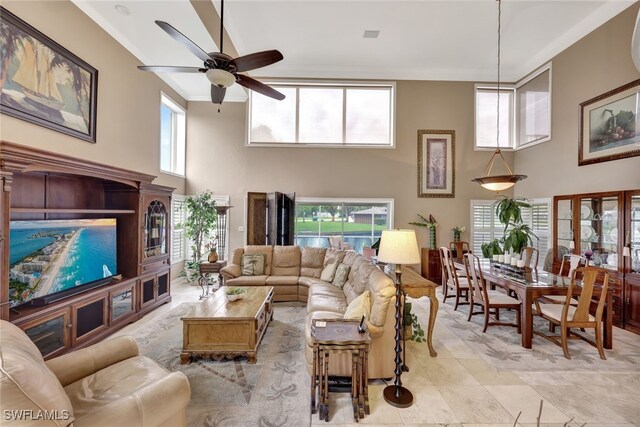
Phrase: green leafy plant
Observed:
(411, 319)
(235, 291)
(509, 210)
(201, 220)
(429, 223)
(518, 237)
(491, 248)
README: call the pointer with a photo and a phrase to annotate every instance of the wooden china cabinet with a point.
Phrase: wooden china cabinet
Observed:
(599, 226)
(41, 185)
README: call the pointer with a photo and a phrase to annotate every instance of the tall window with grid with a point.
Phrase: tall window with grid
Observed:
(178, 235)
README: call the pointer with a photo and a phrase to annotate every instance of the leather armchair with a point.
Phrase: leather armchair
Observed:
(107, 384)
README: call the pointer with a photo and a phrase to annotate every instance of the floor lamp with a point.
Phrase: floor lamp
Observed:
(398, 247)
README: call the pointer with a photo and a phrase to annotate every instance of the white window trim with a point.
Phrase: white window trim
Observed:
(173, 105)
(514, 87)
(345, 84)
(183, 255)
(521, 83)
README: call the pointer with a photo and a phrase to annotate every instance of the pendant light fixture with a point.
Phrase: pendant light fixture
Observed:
(498, 182)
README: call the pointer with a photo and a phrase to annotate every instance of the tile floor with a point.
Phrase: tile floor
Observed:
(458, 388)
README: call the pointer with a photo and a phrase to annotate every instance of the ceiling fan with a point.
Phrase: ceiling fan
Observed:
(221, 69)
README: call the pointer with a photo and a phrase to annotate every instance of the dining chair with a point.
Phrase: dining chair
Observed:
(460, 249)
(568, 316)
(573, 261)
(453, 282)
(530, 257)
(486, 298)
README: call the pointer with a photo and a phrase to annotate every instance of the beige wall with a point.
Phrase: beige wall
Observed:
(596, 64)
(128, 112)
(217, 159)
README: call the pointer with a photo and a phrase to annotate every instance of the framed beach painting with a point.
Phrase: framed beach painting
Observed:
(609, 125)
(43, 83)
(436, 160)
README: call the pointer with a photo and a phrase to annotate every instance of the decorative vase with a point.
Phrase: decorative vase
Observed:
(456, 236)
(213, 257)
(432, 238)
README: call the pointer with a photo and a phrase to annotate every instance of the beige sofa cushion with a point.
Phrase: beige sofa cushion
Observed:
(282, 281)
(310, 281)
(326, 289)
(332, 258)
(382, 290)
(286, 261)
(359, 282)
(359, 307)
(262, 249)
(333, 303)
(312, 262)
(236, 257)
(26, 381)
(247, 281)
(350, 257)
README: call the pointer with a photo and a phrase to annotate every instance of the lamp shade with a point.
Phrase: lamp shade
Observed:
(399, 247)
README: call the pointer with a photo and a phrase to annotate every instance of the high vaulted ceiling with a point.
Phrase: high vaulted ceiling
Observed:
(420, 39)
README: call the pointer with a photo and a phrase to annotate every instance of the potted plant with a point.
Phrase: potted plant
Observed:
(490, 249)
(212, 249)
(431, 224)
(199, 225)
(457, 231)
(412, 328)
(517, 235)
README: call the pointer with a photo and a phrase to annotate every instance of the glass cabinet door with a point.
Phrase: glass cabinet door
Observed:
(599, 230)
(122, 303)
(50, 334)
(564, 227)
(155, 229)
(633, 234)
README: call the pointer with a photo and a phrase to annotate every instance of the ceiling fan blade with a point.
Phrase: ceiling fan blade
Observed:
(184, 40)
(171, 69)
(259, 87)
(257, 60)
(217, 94)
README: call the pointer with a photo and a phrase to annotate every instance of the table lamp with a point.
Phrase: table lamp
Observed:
(398, 247)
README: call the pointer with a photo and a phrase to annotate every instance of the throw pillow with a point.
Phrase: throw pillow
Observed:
(253, 265)
(342, 274)
(359, 307)
(332, 258)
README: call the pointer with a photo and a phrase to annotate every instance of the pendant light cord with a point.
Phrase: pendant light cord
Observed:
(498, 97)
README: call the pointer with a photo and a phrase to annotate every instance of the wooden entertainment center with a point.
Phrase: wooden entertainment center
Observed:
(38, 185)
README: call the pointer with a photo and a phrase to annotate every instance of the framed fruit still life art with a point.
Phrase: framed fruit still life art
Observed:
(609, 125)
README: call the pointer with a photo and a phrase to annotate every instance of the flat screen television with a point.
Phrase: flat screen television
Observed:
(52, 259)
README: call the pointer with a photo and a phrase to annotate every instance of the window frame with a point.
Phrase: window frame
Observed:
(178, 198)
(513, 111)
(342, 84)
(175, 109)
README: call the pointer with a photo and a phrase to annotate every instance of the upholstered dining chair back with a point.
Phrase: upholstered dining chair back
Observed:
(530, 256)
(474, 274)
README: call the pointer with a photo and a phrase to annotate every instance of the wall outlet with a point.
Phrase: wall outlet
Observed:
(241, 228)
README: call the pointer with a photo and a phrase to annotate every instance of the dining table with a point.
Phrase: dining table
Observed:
(531, 284)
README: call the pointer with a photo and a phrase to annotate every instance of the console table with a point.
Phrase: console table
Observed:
(206, 269)
(331, 337)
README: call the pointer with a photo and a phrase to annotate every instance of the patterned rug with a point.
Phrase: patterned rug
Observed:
(273, 392)
(500, 345)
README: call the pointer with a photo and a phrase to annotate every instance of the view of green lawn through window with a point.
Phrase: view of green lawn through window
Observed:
(340, 224)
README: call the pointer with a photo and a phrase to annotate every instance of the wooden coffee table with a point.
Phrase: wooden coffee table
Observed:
(221, 328)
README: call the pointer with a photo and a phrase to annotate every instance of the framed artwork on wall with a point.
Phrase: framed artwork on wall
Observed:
(43, 83)
(436, 162)
(609, 126)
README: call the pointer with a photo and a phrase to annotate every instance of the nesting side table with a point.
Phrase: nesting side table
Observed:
(205, 270)
(331, 337)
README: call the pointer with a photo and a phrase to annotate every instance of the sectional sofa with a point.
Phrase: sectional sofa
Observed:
(303, 274)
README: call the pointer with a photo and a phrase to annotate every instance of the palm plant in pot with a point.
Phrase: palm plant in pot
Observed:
(199, 225)
(517, 235)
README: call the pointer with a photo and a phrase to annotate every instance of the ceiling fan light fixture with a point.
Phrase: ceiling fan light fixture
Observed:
(220, 78)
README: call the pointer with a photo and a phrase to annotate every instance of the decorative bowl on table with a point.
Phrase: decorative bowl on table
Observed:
(234, 294)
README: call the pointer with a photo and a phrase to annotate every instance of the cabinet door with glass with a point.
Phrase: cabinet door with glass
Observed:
(564, 241)
(50, 333)
(156, 229)
(600, 229)
(632, 261)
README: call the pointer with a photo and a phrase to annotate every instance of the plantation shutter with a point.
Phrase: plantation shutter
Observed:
(485, 226)
(538, 217)
(178, 236)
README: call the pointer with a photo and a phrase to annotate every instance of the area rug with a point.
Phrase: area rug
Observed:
(273, 392)
(500, 345)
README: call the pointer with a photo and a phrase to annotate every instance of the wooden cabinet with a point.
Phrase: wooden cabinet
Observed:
(599, 226)
(430, 265)
(41, 185)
